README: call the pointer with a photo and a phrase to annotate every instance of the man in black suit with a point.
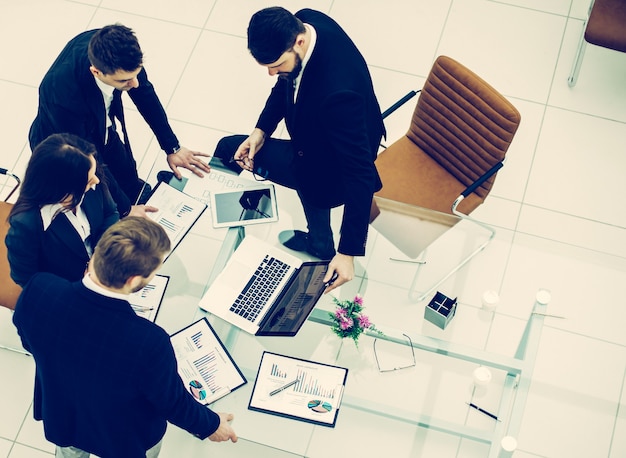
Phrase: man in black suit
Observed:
(325, 95)
(81, 94)
(106, 381)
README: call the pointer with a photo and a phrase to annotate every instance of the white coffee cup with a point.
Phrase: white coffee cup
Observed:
(490, 299)
(482, 376)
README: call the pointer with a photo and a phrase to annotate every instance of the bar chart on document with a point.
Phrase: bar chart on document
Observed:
(297, 388)
(176, 213)
(204, 365)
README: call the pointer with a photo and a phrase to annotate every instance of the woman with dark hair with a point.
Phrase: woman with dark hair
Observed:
(60, 213)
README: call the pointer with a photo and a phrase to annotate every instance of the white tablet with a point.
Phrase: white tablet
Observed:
(243, 206)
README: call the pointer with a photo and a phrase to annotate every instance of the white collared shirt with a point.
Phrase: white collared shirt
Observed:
(307, 56)
(107, 95)
(77, 219)
(91, 285)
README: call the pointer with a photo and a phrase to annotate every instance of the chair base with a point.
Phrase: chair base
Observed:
(414, 295)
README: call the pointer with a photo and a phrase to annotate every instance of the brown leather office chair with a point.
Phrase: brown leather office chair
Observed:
(606, 27)
(444, 167)
(9, 290)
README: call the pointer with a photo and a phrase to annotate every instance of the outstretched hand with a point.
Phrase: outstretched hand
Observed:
(191, 160)
(224, 432)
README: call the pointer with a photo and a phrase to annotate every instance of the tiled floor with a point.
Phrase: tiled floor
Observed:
(557, 203)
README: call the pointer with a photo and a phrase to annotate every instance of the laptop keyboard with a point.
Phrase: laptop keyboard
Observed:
(261, 286)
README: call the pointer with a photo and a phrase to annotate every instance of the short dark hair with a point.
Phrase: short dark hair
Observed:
(57, 169)
(271, 32)
(132, 246)
(115, 47)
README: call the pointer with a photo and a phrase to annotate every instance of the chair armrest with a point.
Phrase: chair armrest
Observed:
(471, 188)
(15, 177)
(399, 103)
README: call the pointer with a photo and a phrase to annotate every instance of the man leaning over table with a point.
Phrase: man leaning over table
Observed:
(324, 93)
(106, 380)
(81, 94)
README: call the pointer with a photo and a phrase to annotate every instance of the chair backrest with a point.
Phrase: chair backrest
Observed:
(606, 25)
(463, 123)
(9, 290)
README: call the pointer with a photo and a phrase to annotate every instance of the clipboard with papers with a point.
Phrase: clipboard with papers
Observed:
(206, 368)
(297, 388)
(177, 213)
(147, 301)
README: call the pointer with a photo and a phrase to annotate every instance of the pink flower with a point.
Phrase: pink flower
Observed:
(341, 314)
(345, 324)
(364, 321)
(358, 299)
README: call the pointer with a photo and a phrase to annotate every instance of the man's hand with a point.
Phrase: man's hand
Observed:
(341, 267)
(244, 156)
(224, 431)
(188, 159)
(142, 210)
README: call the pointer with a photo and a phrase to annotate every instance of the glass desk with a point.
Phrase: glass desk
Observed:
(430, 396)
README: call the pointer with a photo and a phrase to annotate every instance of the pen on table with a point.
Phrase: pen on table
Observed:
(284, 387)
(489, 414)
(332, 280)
(139, 308)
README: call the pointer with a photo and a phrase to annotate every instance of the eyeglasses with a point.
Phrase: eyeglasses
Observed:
(406, 366)
(259, 174)
(397, 368)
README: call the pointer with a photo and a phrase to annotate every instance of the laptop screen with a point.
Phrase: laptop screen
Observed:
(296, 302)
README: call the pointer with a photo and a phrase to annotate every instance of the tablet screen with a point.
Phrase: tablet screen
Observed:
(242, 206)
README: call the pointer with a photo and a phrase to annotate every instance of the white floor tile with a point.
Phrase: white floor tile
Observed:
(573, 397)
(193, 13)
(392, 49)
(35, 39)
(600, 90)
(232, 105)
(32, 435)
(5, 447)
(589, 167)
(19, 116)
(513, 49)
(23, 451)
(16, 386)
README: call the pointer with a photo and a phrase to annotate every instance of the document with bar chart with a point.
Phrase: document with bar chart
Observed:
(147, 301)
(299, 389)
(204, 365)
(177, 212)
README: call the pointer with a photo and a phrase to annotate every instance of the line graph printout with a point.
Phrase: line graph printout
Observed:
(177, 211)
(299, 389)
(204, 365)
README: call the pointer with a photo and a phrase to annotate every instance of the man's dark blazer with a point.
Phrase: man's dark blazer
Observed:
(335, 128)
(70, 101)
(106, 380)
(59, 249)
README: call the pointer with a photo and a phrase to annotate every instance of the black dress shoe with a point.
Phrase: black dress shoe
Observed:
(299, 241)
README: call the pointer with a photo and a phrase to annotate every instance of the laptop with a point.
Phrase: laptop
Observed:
(264, 290)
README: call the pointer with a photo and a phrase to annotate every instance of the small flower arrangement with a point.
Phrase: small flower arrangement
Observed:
(349, 320)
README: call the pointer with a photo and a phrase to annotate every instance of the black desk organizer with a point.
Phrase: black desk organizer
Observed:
(440, 310)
